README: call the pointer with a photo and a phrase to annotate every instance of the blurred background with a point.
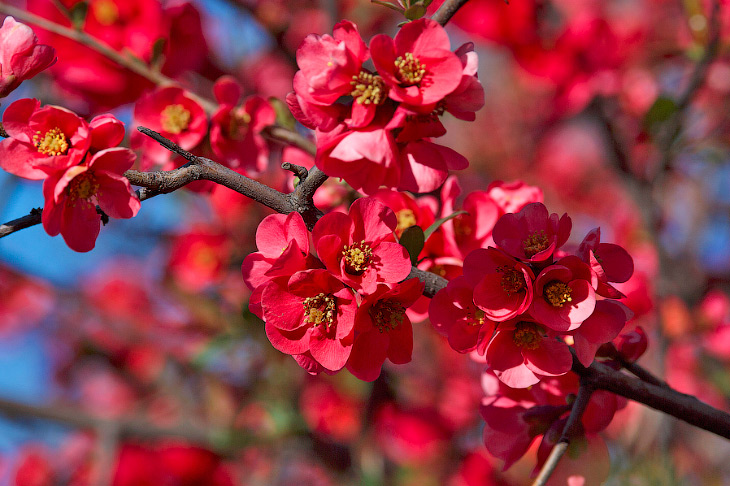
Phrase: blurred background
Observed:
(139, 363)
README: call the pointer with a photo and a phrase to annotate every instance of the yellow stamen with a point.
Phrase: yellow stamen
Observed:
(387, 314)
(535, 243)
(175, 118)
(410, 69)
(527, 335)
(357, 257)
(557, 293)
(320, 309)
(52, 143)
(368, 89)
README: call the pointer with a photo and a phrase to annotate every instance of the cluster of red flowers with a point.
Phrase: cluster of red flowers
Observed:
(345, 308)
(80, 162)
(235, 129)
(381, 135)
(522, 302)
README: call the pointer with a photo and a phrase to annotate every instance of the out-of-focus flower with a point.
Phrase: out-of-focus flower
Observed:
(21, 57)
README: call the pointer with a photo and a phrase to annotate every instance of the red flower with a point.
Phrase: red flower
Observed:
(235, 131)
(21, 57)
(283, 243)
(354, 248)
(521, 353)
(532, 235)
(71, 197)
(602, 326)
(330, 63)
(453, 313)
(106, 132)
(564, 296)
(176, 116)
(42, 140)
(505, 289)
(314, 312)
(418, 65)
(610, 262)
(383, 330)
(198, 258)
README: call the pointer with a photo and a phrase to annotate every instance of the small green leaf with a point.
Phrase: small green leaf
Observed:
(284, 117)
(158, 54)
(437, 224)
(661, 111)
(413, 240)
(415, 11)
(77, 14)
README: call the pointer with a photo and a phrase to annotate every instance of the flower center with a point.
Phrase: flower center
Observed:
(527, 335)
(475, 319)
(410, 69)
(320, 309)
(462, 226)
(106, 12)
(512, 280)
(535, 243)
(52, 143)
(175, 118)
(204, 257)
(368, 89)
(557, 293)
(387, 314)
(238, 126)
(406, 219)
(83, 186)
(357, 257)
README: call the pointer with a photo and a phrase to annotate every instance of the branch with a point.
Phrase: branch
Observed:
(31, 219)
(127, 427)
(447, 10)
(665, 399)
(572, 429)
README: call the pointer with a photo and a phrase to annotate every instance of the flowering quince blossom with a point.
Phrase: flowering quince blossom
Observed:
(355, 249)
(235, 131)
(42, 140)
(564, 295)
(506, 288)
(313, 312)
(380, 135)
(417, 65)
(610, 262)
(21, 57)
(176, 116)
(283, 243)
(602, 326)
(382, 328)
(71, 197)
(522, 351)
(532, 234)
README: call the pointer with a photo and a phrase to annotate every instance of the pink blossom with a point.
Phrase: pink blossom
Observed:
(42, 140)
(532, 234)
(71, 197)
(512, 196)
(21, 57)
(313, 312)
(564, 295)
(602, 326)
(382, 329)
(610, 262)
(505, 287)
(418, 65)
(176, 116)
(521, 352)
(355, 246)
(235, 131)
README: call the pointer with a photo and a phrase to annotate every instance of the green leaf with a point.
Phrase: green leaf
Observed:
(437, 224)
(415, 12)
(77, 14)
(413, 240)
(284, 117)
(158, 54)
(661, 111)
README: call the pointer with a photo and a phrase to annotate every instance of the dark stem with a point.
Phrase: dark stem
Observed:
(447, 10)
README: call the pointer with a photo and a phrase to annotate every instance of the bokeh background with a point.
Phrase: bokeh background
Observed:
(140, 364)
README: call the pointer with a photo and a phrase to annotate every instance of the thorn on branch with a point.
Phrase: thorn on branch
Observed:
(297, 170)
(36, 211)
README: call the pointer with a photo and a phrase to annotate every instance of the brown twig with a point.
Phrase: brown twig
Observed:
(447, 10)
(664, 399)
(572, 429)
(31, 219)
